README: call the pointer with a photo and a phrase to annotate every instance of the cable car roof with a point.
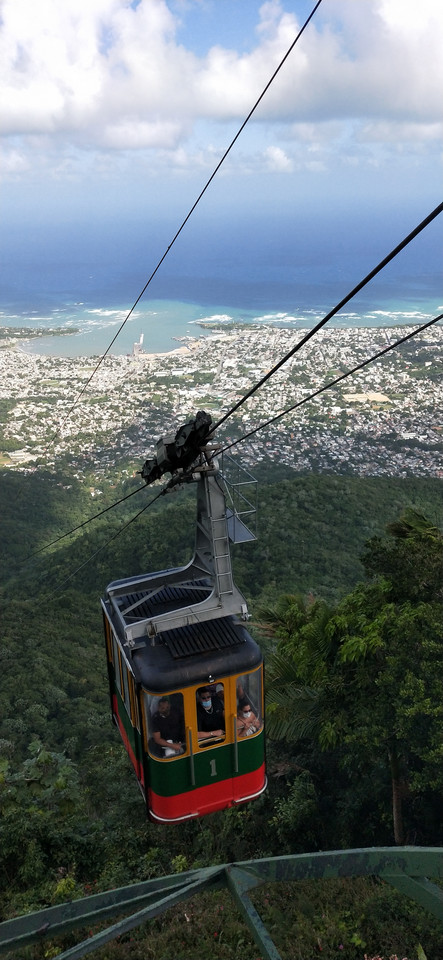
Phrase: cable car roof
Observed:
(198, 638)
(197, 653)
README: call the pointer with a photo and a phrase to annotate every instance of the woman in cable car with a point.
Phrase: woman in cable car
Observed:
(182, 665)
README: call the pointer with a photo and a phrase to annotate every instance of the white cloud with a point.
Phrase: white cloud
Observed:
(278, 160)
(361, 64)
(383, 132)
(135, 134)
(108, 75)
(13, 162)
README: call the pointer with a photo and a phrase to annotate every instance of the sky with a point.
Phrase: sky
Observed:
(118, 112)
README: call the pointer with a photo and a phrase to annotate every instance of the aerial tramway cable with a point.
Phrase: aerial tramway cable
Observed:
(288, 355)
(104, 545)
(251, 433)
(380, 266)
(311, 333)
(189, 214)
(83, 524)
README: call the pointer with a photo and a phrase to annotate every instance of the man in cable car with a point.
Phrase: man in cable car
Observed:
(168, 729)
(210, 715)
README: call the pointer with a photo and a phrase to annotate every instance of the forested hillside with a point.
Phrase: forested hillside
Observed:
(367, 659)
(311, 530)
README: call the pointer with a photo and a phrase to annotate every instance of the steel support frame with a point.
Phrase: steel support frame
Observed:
(211, 562)
(405, 868)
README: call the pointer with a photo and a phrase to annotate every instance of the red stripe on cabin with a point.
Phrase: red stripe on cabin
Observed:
(202, 800)
(138, 767)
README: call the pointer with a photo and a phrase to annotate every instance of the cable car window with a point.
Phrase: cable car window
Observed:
(116, 659)
(134, 704)
(125, 691)
(249, 704)
(165, 721)
(210, 714)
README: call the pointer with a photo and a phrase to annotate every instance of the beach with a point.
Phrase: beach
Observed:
(167, 327)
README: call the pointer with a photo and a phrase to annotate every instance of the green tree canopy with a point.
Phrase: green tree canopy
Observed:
(367, 677)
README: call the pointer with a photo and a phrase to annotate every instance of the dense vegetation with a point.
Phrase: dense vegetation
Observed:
(355, 667)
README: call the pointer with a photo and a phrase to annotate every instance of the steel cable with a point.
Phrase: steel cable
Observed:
(83, 524)
(104, 545)
(380, 266)
(189, 214)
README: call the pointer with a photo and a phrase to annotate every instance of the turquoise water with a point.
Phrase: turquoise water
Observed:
(289, 271)
(162, 324)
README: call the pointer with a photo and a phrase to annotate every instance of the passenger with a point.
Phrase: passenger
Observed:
(168, 728)
(210, 714)
(217, 690)
(247, 722)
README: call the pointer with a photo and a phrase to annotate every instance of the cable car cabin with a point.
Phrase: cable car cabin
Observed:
(189, 709)
(185, 676)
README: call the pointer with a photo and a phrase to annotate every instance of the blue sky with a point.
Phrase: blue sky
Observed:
(118, 112)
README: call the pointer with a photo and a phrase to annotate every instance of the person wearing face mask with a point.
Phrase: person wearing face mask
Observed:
(247, 722)
(210, 714)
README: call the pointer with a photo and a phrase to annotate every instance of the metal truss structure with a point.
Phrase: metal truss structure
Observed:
(408, 869)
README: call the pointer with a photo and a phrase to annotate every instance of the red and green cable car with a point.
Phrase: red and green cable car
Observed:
(185, 676)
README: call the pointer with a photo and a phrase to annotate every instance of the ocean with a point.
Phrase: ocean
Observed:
(86, 281)
(161, 325)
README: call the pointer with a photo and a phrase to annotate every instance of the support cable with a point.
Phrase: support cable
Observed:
(262, 426)
(104, 545)
(251, 433)
(184, 222)
(83, 524)
(333, 383)
(380, 266)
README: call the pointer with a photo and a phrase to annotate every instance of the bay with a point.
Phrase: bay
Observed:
(161, 326)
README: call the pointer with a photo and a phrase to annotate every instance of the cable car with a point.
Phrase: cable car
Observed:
(185, 676)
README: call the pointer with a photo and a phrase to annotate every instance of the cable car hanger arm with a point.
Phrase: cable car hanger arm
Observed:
(189, 459)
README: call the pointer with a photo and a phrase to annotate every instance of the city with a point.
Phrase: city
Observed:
(385, 420)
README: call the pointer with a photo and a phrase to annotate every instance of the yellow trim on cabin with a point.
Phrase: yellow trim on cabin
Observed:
(189, 695)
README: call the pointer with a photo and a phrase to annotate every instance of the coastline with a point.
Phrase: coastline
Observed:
(25, 345)
(176, 351)
(88, 332)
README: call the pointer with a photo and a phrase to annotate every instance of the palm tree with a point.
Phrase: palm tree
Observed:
(297, 669)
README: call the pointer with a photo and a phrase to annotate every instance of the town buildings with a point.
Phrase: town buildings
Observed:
(387, 419)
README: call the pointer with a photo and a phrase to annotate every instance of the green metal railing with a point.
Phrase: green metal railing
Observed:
(408, 869)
